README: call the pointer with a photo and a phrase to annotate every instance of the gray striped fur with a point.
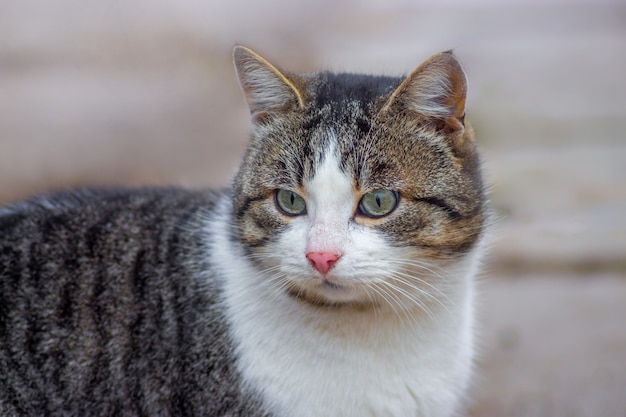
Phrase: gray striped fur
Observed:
(108, 308)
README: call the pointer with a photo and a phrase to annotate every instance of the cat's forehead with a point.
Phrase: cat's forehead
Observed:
(341, 111)
(340, 120)
(340, 89)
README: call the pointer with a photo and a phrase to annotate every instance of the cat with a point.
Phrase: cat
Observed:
(334, 277)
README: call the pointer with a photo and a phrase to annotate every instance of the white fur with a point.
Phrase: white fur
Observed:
(400, 359)
(330, 205)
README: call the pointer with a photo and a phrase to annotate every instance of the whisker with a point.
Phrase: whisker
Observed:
(411, 297)
(412, 277)
(408, 278)
(422, 265)
(279, 290)
(403, 280)
(372, 302)
(411, 281)
(276, 283)
(384, 295)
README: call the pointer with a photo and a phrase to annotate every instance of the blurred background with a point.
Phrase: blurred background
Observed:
(143, 92)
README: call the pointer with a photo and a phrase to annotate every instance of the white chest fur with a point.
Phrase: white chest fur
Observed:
(309, 361)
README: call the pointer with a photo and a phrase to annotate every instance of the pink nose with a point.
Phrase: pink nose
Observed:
(323, 261)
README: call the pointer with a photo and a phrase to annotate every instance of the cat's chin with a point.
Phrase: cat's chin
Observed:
(326, 293)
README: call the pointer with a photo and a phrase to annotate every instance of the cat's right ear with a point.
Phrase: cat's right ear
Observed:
(267, 89)
(436, 90)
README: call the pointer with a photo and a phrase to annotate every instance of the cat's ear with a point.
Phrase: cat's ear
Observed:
(265, 87)
(435, 90)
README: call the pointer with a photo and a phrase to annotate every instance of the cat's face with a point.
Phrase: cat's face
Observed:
(352, 193)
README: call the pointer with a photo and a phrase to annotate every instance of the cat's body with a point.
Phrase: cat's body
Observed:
(333, 279)
(106, 307)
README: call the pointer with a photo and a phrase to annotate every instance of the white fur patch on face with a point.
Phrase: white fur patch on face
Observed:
(330, 206)
(329, 227)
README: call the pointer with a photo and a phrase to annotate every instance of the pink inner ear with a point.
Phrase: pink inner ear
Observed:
(323, 261)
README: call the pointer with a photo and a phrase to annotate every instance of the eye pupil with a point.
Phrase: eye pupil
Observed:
(377, 200)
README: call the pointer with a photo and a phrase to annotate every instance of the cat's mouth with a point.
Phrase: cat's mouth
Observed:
(332, 285)
(317, 285)
(326, 293)
(318, 300)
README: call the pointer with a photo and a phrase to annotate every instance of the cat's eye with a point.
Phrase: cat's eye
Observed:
(290, 203)
(378, 203)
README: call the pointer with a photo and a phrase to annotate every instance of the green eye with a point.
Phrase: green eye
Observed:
(290, 203)
(378, 203)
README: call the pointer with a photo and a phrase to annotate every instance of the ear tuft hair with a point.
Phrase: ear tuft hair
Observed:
(437, 89)
(265, 87)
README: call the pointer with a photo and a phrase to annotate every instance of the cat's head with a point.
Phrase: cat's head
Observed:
(357, 189)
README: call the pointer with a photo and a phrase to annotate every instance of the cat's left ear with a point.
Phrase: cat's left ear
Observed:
(265, 87)
(436, 90)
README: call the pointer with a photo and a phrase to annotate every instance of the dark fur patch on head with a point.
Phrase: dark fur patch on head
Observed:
(336, 89)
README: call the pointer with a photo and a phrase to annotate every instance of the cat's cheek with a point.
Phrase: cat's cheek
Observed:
(292, 246)
(367, 256)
